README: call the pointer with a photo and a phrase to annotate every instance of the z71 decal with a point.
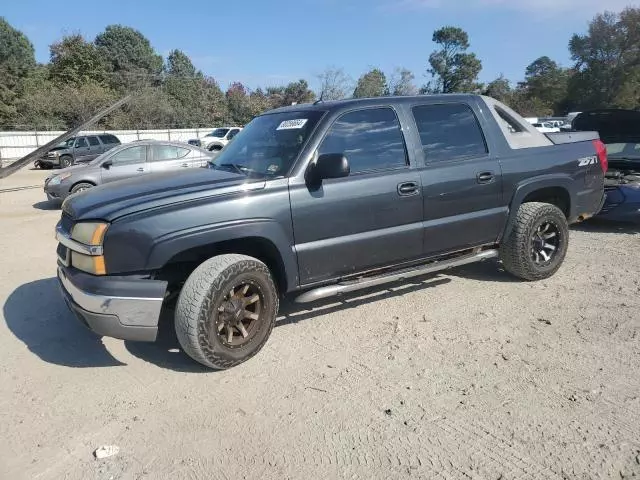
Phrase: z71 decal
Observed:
(583, 162)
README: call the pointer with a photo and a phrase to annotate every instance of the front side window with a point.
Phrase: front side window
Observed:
(371, 139)
(269, 145)
(81, 142)
(129, 156)
(449, 132)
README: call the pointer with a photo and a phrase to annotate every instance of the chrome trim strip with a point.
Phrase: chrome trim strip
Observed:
(131, 311)
(65, 239)
(354, 285)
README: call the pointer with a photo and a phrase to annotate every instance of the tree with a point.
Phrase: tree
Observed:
(606, 59)
(371, 84)
(547, 82)
(129, 55)
(401, 82)
(180, 65)
(334, 84)
(500, 89)
(17, 59)
(238, 102)
(75, 61)
(452, 69)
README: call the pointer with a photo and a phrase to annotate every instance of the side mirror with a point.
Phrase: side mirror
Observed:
(330, 165)
(107, 164)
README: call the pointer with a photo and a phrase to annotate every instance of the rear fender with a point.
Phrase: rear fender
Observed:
(532, 185)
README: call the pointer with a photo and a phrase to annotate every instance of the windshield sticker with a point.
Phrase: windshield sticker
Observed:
(273, 168)
(292, 124)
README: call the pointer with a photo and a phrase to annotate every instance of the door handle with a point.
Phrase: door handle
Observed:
(140, 169)
(407, 189)
(485, 177)
(184, 165)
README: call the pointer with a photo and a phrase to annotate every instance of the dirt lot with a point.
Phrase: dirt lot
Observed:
(465, 375)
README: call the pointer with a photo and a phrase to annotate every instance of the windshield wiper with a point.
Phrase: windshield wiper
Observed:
(234, 166)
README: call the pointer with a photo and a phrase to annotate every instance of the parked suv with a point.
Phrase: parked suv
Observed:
(315, 201)
(77, 150)
(216, 140)
(125, 161)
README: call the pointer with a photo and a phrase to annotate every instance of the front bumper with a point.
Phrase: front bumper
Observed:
(56, 192)
(119, 307)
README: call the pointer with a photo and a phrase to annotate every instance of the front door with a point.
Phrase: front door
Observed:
(126, 163)
(461, 180)
(370, 219)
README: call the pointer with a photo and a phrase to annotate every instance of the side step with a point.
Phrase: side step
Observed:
(367, 282)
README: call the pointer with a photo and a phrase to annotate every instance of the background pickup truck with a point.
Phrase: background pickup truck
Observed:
(319, 200)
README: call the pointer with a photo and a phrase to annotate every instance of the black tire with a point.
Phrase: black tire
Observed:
(215, 148)
(81, 187)
(520, 253)
(66, 161)
(198, 314)
(37, 164)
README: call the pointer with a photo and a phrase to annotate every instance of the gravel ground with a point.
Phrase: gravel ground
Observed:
(465, 375)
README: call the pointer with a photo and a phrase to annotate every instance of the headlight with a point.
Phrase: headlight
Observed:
(89, 233)
(58, 179)
(90, 264)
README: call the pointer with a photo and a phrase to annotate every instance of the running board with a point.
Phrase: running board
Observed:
(367, 282)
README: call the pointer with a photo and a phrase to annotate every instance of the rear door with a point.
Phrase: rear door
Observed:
(126, 163)
(95, 147)
(166, 157)
(461, 179)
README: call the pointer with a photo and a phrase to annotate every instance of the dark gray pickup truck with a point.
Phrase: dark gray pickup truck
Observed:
(313, 201)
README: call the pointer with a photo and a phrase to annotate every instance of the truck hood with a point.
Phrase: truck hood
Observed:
(110, 201)
(614, 126)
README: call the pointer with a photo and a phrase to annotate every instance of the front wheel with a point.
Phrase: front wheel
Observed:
(226, 311)
(81, 187)
(215, 148)
(66, 161)
(538, 243)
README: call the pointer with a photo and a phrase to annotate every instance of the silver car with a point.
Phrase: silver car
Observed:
(125, 161)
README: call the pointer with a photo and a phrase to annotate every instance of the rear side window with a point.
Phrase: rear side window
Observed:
(168, 152)
(109, 139)
(93, 141)
(449, 132)
(81, 142)
(371, 139)
(128, 156)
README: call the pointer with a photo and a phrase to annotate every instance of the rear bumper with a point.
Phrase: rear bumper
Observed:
(114, 306)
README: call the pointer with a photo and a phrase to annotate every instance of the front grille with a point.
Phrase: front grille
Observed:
(194, 142)
(63, 255)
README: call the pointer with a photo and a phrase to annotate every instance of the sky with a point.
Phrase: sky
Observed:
(273, 42)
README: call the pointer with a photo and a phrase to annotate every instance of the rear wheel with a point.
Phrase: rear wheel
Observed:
(81, 187)
(226, 310)
(66, 161)
(538, 242)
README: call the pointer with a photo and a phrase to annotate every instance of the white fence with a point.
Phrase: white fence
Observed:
(15, 145)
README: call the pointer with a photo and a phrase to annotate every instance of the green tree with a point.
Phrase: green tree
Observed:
(547, 82)
(238, 103)
(371, 84)
(500, 89)
(606, 59)
(75, 61)
(401, 82)
(17, 59)
(130, 57)
(179, 64)
(452, 68)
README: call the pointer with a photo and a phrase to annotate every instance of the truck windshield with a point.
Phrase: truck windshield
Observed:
(218, 133)
(269, 144)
